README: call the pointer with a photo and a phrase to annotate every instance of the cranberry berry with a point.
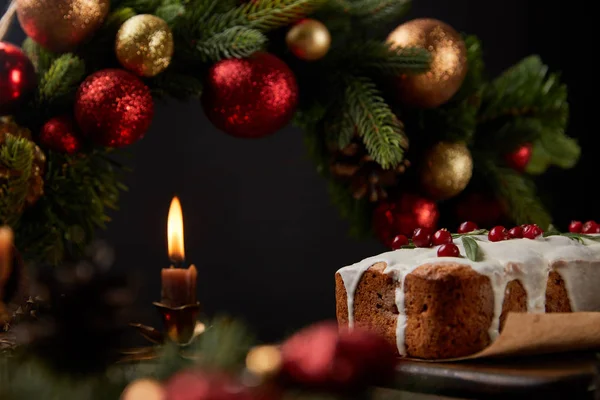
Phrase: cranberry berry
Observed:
(467, 227)
(532, 231)
(497, 234)
(399, 241)
(590, 227)
(516, 232)
(421, 237)
(441, 237)
(575, 226)
(448, 250)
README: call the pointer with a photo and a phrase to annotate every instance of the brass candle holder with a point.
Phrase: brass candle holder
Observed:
(181, 323)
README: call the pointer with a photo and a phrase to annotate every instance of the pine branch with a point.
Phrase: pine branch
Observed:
(264, 15)
(378, 57)
(518, 193)
(526, 90)
(170, 12)
(369, 8)
(79, 191)
(140, 6)
(380, 130)
(62, 79)
(557, 149)
(236, 42)
(41, 58)
(16, 157)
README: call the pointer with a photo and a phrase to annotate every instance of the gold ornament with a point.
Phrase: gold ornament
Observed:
(144, 389)
(144, 45)
(264, 361)
(446, 170)
(309, 40)
(35, 189)
(61, 25)
(448, 62)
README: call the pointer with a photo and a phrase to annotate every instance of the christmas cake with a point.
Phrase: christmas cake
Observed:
(446, 296)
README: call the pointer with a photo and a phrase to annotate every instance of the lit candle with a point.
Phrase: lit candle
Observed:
(178, 282)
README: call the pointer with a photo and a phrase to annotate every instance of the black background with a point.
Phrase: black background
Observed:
(258, 222)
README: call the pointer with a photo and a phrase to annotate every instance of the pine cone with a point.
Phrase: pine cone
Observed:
(87, 315)
(36, 180)
(366, 177)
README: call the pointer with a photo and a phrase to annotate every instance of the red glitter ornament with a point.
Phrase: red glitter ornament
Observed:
(251, 97)
(403, 216)
(59, 134)
(114, 108)
(17, 77)
(323, 356)
(519, 158)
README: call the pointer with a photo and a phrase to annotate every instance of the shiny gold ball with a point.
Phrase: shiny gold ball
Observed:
(309, 40)
(446, 170)
(448, 62)
(264, 361)
(144, 45)
(61, 25)
(144, 389)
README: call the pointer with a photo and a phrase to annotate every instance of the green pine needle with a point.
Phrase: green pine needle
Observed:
(236, 42)
(374, 121)
(16, 156)
(41, 58)
(62, 78)
(380, 58)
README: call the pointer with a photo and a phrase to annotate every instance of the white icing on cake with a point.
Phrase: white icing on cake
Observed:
(529, 261)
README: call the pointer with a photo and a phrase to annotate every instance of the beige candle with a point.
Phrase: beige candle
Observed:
(178, 283)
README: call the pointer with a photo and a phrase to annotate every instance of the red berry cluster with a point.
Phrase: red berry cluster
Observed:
(587, 228)
(528, 231)
(425, 238)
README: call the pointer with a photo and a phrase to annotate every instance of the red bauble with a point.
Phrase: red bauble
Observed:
(59, 134)
(114, 108)
(519, 158)
(323, 357)
(482, 209)
(201, 385)
(251, 97)
(403, 216)
(17, 77)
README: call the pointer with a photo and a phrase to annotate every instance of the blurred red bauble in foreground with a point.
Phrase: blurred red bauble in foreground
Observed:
(482, 209)
(251, 97)
(114, 108)
(519, 158)
(326, 357)
(17, 77)
(403, 216)
(202, 385)
(59, 134)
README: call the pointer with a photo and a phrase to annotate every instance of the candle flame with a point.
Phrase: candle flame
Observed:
(175, 231)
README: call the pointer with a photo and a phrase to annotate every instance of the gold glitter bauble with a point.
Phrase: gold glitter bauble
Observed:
(309, 40)
(144, 45)
(35, 189)
(448, 62)
(446, 170)
(264, 361)
(144, 389)
(61, 25)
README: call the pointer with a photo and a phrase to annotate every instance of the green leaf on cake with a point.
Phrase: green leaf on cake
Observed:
(471, 248)
(472, 233)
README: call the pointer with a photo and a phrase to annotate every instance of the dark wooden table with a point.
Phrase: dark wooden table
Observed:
(559, 376)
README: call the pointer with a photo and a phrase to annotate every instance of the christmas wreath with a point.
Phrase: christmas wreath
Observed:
(401, 120)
